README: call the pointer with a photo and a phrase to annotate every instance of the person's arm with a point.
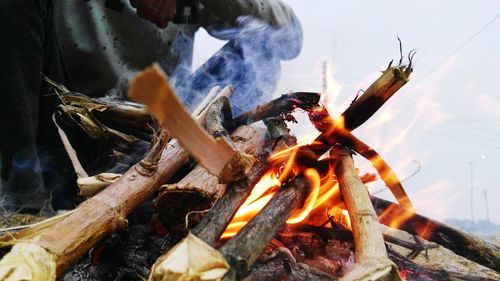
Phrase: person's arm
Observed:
(274, 12)
(275, 24)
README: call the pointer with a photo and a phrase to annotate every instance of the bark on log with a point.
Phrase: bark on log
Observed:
(372, 262)
(242, 250)
(459, 242)
(199, 189)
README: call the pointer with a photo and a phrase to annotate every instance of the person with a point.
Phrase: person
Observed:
(95, 46)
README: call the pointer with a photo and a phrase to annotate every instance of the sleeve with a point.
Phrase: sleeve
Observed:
(270, 19)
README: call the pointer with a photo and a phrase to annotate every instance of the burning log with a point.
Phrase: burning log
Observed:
(244, 248)
(215, 222)
(459, 242)
(199, 190)
(372, 262)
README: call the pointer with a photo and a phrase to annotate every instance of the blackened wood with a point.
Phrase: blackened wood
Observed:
(199, 189)
(218, 114)
(244, 248)
(282, 105)
(391, 80)
(459, 242)
(222, 212)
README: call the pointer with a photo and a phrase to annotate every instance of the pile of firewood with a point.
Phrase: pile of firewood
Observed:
(201, 167)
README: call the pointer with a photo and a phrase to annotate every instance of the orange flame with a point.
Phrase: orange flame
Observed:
(324, 191)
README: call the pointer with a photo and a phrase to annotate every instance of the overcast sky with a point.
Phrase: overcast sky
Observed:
(448, 114)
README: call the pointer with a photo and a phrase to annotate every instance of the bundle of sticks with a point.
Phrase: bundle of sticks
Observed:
(232, 155)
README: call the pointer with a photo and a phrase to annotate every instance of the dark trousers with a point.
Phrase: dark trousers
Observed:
(33, 161)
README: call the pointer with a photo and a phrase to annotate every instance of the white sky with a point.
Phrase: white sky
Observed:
(445, 116)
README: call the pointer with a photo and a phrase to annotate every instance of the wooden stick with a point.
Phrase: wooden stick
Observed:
(242, 250)
(459, 242)
(372, 262)
(282, 105)
(199, 190)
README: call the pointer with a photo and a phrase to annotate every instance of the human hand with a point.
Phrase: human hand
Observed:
(159, 12)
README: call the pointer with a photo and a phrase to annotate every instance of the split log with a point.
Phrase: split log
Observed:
(459, 242)
(243, 250)
(151, 88)
(199, 189)
(371, 258)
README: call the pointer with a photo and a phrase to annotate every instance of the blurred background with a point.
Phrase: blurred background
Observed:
(441, 132)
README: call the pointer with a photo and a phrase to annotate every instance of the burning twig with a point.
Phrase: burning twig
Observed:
(333, 132)
(372, 262)
(459, 242)
(282, 105)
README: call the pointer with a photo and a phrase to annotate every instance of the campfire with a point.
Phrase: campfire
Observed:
(235, 200)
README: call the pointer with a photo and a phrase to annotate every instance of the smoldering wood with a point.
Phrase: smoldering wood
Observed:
(199, 189)
(372, 262)
(459, 242)
(413, 271)
(242, 250)
(215, 222)
(282, 105)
